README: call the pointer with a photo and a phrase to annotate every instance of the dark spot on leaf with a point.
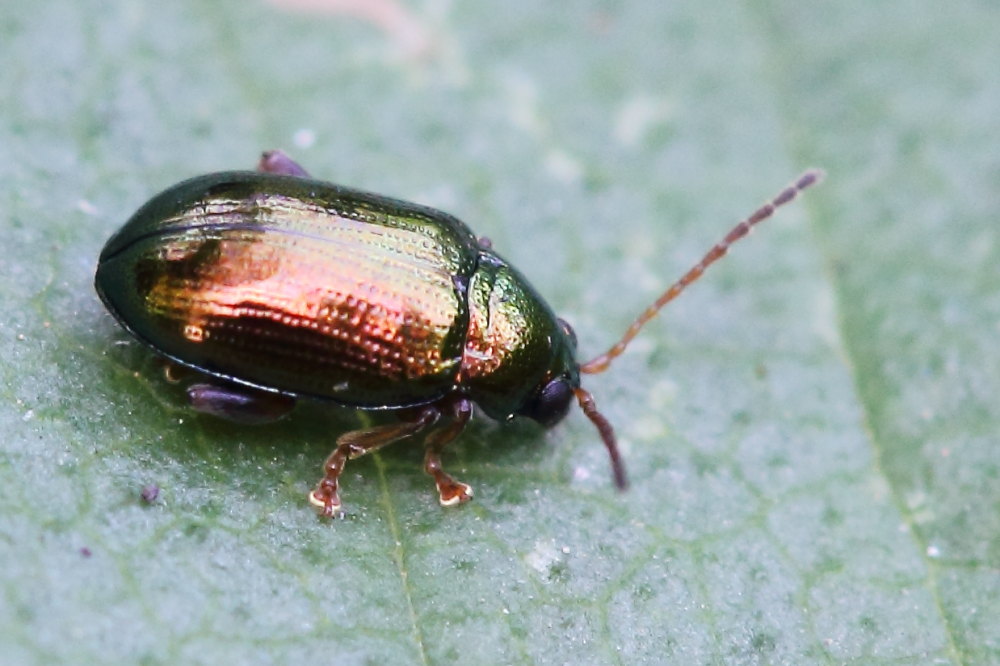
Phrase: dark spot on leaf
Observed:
(558, 572)
(196, 531)
(762, 641)
(831, 517)
(150, 493)
(704, 464)
(829, 565)
(776, 461)
(315, 553)
(644, 592)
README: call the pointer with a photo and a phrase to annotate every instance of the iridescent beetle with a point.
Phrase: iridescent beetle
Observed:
(276, 286)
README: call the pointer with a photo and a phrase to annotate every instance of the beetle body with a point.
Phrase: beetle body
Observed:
(307, 288)
(273, 285)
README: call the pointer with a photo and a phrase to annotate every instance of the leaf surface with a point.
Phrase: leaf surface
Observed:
(811, 431)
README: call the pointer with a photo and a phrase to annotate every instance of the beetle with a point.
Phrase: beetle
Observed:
(273, 286)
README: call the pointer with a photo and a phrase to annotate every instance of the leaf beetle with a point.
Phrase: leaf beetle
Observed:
(274, 286)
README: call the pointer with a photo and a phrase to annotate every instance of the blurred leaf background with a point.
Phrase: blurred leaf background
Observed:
(811, 430)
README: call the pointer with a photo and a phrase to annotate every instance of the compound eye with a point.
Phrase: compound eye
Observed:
(567, 331)
(551, 404)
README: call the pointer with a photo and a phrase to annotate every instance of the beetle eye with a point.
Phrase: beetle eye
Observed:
(551, 404)
(568, 331)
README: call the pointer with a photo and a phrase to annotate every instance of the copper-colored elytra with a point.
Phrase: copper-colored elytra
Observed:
(600, 363)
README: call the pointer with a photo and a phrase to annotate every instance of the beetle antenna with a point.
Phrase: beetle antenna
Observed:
(607, 435)
(600, 363)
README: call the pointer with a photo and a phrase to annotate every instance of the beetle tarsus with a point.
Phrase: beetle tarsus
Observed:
(455, 492)
(326, 499)
(450, 491)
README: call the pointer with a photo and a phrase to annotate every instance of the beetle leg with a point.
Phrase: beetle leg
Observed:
(350, 445)
(241, 404)
(450, 491)
(276, 161)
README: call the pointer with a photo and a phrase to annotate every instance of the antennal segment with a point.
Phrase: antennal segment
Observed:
(601, 363)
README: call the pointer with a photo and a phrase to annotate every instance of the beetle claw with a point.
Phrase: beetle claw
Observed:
(327, 503)
(454, 492)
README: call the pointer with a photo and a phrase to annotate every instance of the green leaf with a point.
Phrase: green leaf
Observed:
(811, 431)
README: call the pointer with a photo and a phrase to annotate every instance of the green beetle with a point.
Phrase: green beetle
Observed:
(274, 286)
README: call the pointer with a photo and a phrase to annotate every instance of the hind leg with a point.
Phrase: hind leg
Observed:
(233, 402)
(239, 403)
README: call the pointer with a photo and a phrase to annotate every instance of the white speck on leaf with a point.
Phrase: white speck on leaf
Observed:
(542, 557)
(523, 98)
(637, 116)
(86, 207)
(304, 138)
(564, 167)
